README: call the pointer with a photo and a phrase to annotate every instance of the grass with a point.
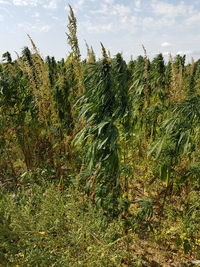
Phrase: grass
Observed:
(44, 225)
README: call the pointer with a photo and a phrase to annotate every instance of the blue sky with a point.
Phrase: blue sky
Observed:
(167, 26)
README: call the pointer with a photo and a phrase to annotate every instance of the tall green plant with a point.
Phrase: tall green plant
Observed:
(75, 51)
(100, 135)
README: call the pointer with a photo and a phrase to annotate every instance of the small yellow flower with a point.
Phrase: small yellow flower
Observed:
(124, 195)
(42, 233)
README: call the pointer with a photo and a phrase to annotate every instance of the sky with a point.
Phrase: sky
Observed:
(167, 26)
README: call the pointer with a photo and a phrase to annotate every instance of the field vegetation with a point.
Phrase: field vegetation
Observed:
(99, 159)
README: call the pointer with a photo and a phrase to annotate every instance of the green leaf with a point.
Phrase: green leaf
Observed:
(101, 126)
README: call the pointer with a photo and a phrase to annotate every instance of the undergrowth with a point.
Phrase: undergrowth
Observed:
(48, 225)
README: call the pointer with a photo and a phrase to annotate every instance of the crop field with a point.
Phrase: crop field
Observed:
(99, 159)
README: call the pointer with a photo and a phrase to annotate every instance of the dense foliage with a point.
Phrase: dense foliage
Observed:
(98, 157)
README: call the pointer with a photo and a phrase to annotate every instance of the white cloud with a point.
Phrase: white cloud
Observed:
(81, 2)
(4, 2)
(109, 1)
(55, 18)
(53, 4)
(195, 18)
(147, 22)
(130, 21)
(144, 24)
(48, 4)
(138, 5)
(36, 28)
(77, 5)
(98, 28)
(171, 10)
(45, 28)
(20, 3)
(115, 9)
(120, 10)
(104, 9)
(166, 44)
(26, 2)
